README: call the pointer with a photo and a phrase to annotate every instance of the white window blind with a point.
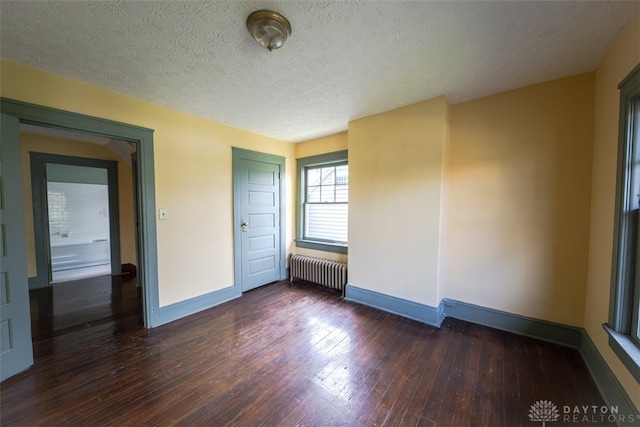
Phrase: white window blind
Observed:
(326, 207)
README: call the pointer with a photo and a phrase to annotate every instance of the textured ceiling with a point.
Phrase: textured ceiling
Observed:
(344, 60)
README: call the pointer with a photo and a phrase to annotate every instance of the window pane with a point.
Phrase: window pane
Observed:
(342, 174)
(327, 222)
(313, 194)
(328, 194)
(313, 176)
(326, 207)
(342, 193)
(328, 176)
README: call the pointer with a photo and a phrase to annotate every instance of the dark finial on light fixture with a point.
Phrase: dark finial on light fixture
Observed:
(268, 28)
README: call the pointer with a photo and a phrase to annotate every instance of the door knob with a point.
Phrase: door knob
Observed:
(244, 224)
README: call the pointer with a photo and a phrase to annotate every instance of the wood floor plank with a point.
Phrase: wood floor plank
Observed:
(387, 388)
(511, 397)
(433, 357)
(468, 359)
(437, 392)
(283, 354)
(410, 369)
(360, 378)
(370, 381)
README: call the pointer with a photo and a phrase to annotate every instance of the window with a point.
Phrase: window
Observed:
(624, 314)
(323, 202)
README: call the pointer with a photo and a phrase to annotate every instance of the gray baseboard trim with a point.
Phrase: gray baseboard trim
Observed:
(607, 383)
(413, 310)
(521, 325)
(185, 308)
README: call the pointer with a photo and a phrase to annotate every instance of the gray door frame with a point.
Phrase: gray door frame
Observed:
(41, 215)
(240, 153)
(143, 137)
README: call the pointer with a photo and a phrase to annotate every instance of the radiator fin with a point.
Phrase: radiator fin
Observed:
(332, 274)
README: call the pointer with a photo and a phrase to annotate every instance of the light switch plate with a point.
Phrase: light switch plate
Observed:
(163, 213)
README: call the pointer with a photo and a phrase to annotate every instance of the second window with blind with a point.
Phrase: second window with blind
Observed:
(323, 202)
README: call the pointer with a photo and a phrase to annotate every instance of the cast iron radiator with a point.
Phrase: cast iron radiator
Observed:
(332, 274)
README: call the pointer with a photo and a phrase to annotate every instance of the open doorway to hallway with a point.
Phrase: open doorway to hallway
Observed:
(81, 233)
(17, 354)
(82, 205)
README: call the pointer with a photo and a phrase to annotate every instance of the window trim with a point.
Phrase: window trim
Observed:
(335, 158)
(622, 293)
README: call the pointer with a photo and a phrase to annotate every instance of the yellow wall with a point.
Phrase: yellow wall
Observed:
(327, 144)
(193, 176)
(43, 144)
(621, 58)
(519, 183)
(395, 197)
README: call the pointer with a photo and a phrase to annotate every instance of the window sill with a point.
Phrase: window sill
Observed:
(322, 246)
(626, 349)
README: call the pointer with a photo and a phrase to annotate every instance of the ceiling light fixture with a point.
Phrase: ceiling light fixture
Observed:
(269, 29)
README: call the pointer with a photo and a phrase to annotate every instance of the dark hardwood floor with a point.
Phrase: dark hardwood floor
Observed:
(279, 355)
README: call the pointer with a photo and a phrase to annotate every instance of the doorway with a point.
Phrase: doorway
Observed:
(83, 217)
(24, 113)
(78, 199)
(83, 206)
(17, 352)
(76, 218)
